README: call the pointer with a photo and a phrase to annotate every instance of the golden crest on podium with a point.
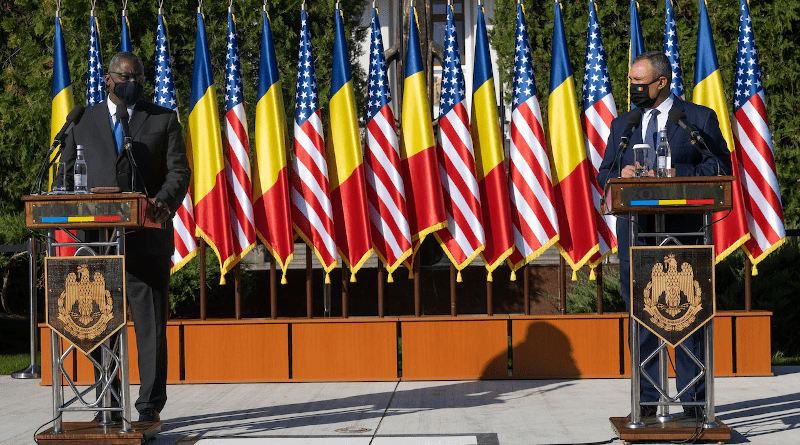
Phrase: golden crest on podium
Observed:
(672, 289)
(85, 298)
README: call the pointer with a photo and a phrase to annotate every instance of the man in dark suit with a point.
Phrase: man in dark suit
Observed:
(159, 152)
(650, 76)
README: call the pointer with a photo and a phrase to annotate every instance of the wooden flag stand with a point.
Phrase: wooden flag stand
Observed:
(672, 322)
(86, 306)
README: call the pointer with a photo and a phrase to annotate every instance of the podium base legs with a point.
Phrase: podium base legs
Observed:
(91, 433)
(31, 372)
(675, 428)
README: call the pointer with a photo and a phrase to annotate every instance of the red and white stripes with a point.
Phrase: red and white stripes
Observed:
(759, 180)
(530, 185)
(596, 122)
(463, 238)
(311, 205)
(237, 171)
(183, 233)
(391, 234)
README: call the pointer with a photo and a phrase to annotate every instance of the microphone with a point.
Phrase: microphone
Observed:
(634, 120)
(678, 117)
(73, 118)
(122, 118)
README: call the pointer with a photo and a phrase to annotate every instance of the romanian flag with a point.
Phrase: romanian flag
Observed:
(125, 42)
(732, 231)
(418, 153)
(490, 167)
(271, 207)
(62, 103)
(572, 187)
(346, 162)
(204, 150)
(636, 45)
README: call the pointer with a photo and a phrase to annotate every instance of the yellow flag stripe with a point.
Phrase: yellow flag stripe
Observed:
(345, 138)
(206, 144)
(416, 125)
(566, 135)
(709, 93)
(270, 139)
(487, 147)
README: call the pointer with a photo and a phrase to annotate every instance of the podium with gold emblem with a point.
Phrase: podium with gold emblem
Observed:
(86, 305)
(672, 295)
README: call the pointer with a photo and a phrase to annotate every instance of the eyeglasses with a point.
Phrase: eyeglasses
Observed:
(128, 77)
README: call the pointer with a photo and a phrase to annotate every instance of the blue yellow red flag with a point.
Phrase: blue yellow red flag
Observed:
(732, 231)
(490, 167)
(576, 222)
(125, 40)
(636, 43)
(271, 206)
(418, 153)
(204, 150)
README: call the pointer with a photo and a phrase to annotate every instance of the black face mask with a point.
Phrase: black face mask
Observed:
(128, 92)
(640, 96)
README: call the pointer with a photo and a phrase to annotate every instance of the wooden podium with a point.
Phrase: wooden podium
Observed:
(86, 306)
(670, 321)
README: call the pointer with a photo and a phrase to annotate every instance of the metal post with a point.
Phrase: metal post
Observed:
(345, 292)
(106, 377)
(748, 275)
(526, 289)
(124, 377)
(636, 414)
(309, 284)
(453, 294)
(562, 283)
(489, 308)
(237, 290)
(202, 252)
(417, 281)
(381, 289)
(33, 371)
(273, 289)
(598, 272)
(663, 374)
(58, 396)
(710, 420)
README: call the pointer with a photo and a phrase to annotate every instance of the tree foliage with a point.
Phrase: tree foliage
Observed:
(776, 24)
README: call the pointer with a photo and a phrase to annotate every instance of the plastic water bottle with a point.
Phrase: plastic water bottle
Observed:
(663, 156)
(81, 179)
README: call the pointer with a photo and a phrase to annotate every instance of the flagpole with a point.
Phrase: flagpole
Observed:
(309, 284)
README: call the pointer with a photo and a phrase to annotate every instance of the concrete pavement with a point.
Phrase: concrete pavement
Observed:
(760, 410)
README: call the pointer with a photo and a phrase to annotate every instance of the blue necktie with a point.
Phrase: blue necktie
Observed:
(651, 138)
(117, 134)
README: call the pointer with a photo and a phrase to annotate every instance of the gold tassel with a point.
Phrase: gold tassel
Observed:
(458, 277)
(592, 277)
(574, 276)
(489, 277)
(352, 278)
(390, 279)
(327, 278)
(755, 270)
(283, 278)
(513, 275)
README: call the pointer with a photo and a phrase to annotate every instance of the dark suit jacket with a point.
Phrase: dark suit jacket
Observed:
(160, 154)
(686, 160)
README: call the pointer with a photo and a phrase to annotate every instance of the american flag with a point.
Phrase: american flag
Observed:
(463, 238)
(95, 80)
(391, 235)
(183, 224)
(237, 150)
(530, 181)
(754, 146)
(312, 215)
(672, 51)
(598, 112)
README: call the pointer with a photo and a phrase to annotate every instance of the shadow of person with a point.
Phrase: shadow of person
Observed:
(540, 350)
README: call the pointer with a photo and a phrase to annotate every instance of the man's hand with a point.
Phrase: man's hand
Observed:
(629, 171)
(157, 211)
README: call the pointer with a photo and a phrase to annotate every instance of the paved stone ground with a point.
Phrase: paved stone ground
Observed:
(761, 410)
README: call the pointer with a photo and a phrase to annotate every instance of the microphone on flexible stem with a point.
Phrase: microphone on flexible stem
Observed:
(678, 117)
(634, 120)
(73, 118)
(122, 118)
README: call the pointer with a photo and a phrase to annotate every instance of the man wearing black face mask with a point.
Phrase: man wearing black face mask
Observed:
(650, 77)
(158, 149)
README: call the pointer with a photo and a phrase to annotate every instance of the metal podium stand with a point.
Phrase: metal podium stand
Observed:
(661, 196)
(87, 329)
